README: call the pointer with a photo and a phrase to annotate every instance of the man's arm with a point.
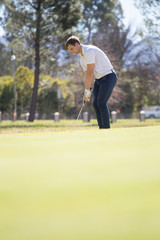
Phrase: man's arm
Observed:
(89, 76)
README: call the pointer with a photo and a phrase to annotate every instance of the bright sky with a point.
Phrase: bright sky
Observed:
(1, 32)
(132, 15)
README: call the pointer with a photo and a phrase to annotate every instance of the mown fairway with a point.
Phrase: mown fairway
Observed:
(84, 185)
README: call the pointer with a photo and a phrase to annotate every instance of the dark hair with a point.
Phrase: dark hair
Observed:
(71, 41)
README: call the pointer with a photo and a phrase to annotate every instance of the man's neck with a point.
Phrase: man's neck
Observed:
(81, 50)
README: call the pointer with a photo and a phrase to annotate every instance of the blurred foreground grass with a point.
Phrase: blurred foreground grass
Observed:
(41, 126)
(85, 185)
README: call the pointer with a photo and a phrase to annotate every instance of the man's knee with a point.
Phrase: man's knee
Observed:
(95, 103)
(101, 104)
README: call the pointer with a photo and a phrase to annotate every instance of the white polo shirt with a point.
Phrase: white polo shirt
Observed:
(92, 54)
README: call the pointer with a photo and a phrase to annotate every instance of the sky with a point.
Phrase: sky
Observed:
(131, 15)
(1, 32)
(1, 29)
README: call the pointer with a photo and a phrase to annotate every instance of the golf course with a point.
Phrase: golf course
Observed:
(84, 184)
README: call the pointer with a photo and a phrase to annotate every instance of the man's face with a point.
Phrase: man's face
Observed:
(75, 49)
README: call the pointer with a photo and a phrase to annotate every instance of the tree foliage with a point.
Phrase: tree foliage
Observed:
(6, 94)
(40, 25)
(141, 89)
(150, 10)
(100, 16)
(48, 101)
(25, 81)
(5, 61)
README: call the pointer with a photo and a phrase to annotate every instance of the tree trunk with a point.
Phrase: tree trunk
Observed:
(37, 63)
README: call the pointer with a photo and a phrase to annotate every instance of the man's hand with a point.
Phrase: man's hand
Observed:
(85, 100)
(87, 95)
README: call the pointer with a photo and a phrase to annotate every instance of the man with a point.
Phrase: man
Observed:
(98, 70)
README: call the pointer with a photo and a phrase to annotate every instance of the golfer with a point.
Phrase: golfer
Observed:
(98, 70)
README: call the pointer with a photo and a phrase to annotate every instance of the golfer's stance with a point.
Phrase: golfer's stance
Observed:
(99, 70)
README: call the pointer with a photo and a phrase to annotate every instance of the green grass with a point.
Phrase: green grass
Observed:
(81, 185)
(43, 126)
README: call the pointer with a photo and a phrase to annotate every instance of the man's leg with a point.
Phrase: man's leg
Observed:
(95, 97)
(105, 91)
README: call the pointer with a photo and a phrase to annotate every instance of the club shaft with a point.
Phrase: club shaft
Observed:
(79, 112)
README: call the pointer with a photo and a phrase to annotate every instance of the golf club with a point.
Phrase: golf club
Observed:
(80, 111)
(84, 103)
(78, 116)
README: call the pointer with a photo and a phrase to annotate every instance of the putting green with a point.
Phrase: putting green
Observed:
(86, 185)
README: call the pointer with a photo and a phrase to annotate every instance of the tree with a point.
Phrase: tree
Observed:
(6, 94)
(100, 15)
(31, 24)
(48, 102)
(25, 80)
(150, 10)
(5, 59)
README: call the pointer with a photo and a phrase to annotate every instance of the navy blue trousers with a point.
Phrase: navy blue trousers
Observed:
(102, 91)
